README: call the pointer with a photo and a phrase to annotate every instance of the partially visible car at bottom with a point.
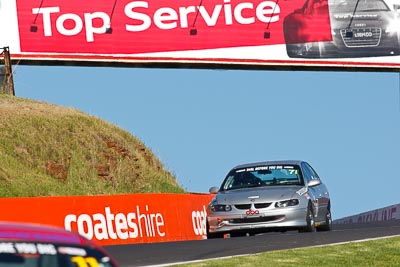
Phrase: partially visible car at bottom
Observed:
(269, 196)
(34, 245)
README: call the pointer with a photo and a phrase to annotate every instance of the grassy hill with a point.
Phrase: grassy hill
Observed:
(48, 150)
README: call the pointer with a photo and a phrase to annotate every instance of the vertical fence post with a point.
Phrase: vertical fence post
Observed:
(2, 76)
(8, 75)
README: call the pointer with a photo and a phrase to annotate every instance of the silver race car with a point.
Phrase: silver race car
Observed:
(269, 196)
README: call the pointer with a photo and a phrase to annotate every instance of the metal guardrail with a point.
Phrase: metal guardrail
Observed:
(379, 215)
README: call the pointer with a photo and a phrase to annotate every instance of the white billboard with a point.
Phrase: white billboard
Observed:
(228, 33)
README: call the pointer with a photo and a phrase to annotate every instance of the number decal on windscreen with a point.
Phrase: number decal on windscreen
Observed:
(85, 261)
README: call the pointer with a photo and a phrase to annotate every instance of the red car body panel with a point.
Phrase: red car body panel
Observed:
(309, 24)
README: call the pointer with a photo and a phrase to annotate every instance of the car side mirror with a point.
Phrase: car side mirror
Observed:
(213, 190)
(314, 182)
(298, 11)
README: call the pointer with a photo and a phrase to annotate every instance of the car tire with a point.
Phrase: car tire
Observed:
(309, 220)
(317, 52)
(213, 235)
(328, 221)
(293, 50)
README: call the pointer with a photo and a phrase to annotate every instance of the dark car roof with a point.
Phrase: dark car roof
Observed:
(272, 162)
(40, 233)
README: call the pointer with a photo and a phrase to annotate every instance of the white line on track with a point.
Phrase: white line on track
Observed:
(242, 255)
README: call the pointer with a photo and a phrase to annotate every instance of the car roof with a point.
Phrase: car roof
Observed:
(40, 233)
(30, 232)
(271, 162)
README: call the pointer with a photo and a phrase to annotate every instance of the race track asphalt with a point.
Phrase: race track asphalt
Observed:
(172, 252)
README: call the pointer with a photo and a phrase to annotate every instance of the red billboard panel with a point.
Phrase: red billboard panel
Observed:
(242, 32)
(118, 219)
(154, 26)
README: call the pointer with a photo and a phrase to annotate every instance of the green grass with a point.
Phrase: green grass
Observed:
(376, 253)
(48, 150)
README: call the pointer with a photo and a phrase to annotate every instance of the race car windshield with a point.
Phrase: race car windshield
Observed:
(342, 6)
(276, 175)
(32, 254)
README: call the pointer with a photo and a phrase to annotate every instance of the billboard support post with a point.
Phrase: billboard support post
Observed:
(8, 87)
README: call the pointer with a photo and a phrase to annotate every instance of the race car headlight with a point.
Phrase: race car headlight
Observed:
(393, 26)
(220, 208)
(287, 203)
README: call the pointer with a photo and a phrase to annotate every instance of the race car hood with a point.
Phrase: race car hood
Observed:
(257, 195)
(371, 19)
(359, 16)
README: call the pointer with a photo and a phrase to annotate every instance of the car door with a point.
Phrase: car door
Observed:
(322, 197)
(313, 191)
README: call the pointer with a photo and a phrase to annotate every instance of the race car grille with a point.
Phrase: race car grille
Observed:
(248, 206)
(262, 205)
(256, 219)
(243, 206)
(361, 37)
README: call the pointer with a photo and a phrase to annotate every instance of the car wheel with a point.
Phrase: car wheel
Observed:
(294, 50)
(240, 234)
(317, 50)
(310, 221)
(328, 221)
(213, 235)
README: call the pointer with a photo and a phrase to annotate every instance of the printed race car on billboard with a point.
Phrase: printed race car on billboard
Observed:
(238, 32)
(149, 26)
(364, 28)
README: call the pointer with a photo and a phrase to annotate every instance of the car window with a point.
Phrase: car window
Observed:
(315, 7)
(306, 172)
(271, 175)
(32, 254)
(309, 172)
(314, 174)
(362, 6)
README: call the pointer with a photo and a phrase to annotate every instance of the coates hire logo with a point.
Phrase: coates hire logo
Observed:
(131, 27)
(122, 226)
(134, 225)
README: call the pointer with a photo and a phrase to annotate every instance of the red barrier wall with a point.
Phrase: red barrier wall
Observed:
(118, 219)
